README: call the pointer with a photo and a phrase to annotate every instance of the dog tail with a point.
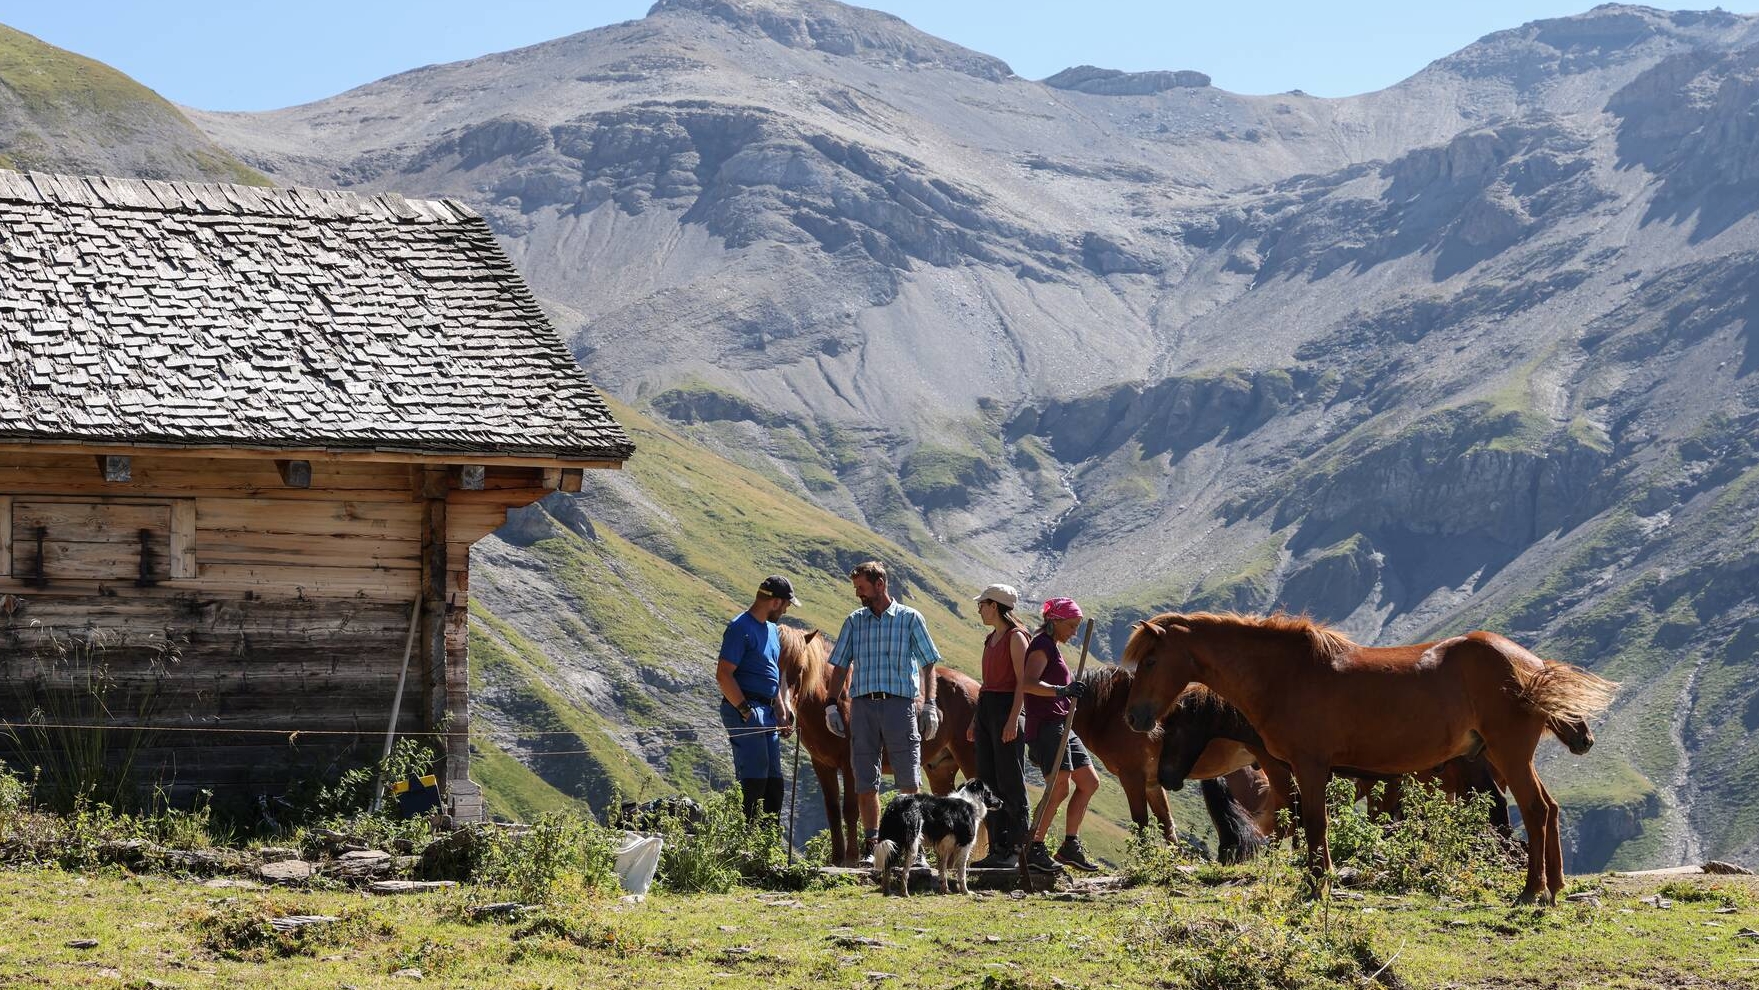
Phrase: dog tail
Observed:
(883, 851)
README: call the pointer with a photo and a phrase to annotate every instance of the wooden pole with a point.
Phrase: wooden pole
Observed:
(396, 705)
(793, 786)
(1044, 799)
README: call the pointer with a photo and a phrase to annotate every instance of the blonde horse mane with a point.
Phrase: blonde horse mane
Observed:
(803, 660)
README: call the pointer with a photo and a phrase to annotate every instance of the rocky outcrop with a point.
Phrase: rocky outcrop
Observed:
(1597, 832)
(1690, 120)
(835, 29)
(1177, 414)
(1333, 582)
(1113, 82)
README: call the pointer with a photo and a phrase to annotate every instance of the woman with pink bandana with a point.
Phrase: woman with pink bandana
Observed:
(1050, 686)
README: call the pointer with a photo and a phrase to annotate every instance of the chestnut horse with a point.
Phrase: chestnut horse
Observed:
(1134, 758)
(806, 669)
(1321, 702)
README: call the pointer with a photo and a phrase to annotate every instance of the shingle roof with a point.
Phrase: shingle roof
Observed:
(183, 313)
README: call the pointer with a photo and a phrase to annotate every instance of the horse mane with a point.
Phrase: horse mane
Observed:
(1108, 693)
(803, 663)
(1327, 644)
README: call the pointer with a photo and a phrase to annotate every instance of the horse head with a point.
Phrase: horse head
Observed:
(1160, 658)
(1184, 736)
(802, 661)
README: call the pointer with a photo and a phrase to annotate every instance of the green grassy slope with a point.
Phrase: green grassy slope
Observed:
(62, 112)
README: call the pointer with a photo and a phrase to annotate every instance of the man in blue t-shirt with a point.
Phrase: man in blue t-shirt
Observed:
(754, 706)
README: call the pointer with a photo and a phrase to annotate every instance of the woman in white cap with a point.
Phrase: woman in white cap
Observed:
(997, 729)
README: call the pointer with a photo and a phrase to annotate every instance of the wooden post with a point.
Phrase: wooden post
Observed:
(435, 482)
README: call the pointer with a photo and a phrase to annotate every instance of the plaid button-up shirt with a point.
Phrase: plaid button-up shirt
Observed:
(887, 650)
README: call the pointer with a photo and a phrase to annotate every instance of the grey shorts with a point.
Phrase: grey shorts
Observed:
(884, 726)
(1042, 748)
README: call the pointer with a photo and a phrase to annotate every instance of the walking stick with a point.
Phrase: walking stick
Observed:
(793, 786)
(1044, 799)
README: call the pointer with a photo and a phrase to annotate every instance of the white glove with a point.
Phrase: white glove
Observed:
(928, 720)
(834, 719)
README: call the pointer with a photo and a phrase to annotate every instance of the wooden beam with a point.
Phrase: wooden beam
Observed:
(431, 646)
(311, 454)
(472, 477)
(116, 468)
(572, 479)
(295, 474)
(5, 535)
(183, 524)
(552, 479)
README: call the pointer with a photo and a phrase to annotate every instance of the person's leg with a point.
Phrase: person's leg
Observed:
(1059, 791)
(1086, 783)
(1012, 778)
(773, 785)
(749, 759)
(864, 753)
(903, 742)
(751, 793)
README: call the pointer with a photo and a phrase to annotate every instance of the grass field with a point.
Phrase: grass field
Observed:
(1225, 930)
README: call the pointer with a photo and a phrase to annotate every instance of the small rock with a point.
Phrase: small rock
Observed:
(294, 922)
(1657, 901)
(408, 974)
(1746, 933)
(408, 886)
(225, 883)
(1725, 910)
(1348, 895)
(502, 909)
(364, 855)
(877, 976)
(83, 943)
(1727, 869)
(992, 939)
(633, 899)
(857, 942)
(276, 854)
(1588, 899)
(1584, 895)
(728, 928)
(286, 871)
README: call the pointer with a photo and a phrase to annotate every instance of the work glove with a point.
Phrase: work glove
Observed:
(1073, 689)
(834, 720)
(928, 720)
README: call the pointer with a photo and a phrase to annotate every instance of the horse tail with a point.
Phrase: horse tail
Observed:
(1236, 838)
(1566, 694)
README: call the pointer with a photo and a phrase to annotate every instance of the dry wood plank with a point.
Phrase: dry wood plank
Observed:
(89, 522)
(311, 581)
(223, 517)
(5, 534)
(235, 545)
(65, 561)
(183, 538)
(231, 452)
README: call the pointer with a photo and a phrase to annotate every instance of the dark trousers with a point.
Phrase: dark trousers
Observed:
(1003, 767)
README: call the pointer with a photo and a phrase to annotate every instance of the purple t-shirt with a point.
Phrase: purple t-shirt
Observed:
(1040, 709)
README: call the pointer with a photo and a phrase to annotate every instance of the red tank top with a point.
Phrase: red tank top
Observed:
(998, 662)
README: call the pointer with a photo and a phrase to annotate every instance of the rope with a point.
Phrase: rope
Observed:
(6, 726)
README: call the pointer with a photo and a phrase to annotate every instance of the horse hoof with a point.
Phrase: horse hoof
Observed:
(1525, 898)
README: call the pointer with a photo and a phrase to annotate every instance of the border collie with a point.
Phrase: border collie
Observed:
(949, 823)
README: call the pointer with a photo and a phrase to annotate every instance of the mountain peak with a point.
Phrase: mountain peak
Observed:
(840, 29)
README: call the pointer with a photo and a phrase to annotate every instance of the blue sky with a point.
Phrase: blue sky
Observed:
(251, 55)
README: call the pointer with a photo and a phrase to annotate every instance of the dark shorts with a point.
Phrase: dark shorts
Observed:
(756, 754)
(1042, 748)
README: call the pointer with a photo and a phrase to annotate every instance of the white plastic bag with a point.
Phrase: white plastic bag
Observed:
(638, 859)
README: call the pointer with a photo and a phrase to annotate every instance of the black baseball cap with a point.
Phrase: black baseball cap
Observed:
(777, 586)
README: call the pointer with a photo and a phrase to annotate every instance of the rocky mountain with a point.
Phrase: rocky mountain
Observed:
(1473, 350)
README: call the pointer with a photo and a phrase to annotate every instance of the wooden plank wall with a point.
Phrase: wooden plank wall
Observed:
(288, 608)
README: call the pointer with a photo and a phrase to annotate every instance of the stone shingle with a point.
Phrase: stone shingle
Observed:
(292, 318)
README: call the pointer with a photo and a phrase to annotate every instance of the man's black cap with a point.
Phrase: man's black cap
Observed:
(777, 586)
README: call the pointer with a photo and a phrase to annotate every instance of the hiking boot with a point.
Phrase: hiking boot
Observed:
(1039, 858)
(998, 859)
(1072, 854)
(921, 861)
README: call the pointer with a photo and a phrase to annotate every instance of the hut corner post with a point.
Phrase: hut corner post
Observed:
(444, 649)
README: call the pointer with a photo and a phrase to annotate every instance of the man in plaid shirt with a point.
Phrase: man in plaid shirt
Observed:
(892, 707)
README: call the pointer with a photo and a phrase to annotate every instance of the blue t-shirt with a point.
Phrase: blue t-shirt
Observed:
(753, 648)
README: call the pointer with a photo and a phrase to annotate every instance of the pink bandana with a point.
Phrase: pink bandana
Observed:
(1061, 608)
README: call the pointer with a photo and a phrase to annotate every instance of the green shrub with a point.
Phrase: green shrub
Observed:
(722, 851)
(244, 930)
(1244, 951)
(558, 855)
(1149, 859)
(1439, 845)
(1687, 892)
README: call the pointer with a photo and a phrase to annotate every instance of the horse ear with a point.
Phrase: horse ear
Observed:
(811, 636)
(1150, 628)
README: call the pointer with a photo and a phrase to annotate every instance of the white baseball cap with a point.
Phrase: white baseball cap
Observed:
(1001, 594)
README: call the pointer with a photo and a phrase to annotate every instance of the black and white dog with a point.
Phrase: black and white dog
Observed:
(949, 823)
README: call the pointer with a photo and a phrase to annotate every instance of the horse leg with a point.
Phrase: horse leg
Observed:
(1137, 796)
(1157, 803)
(1282, 795)
(827, 787)
(1530, 796)
(851, 818)
(1554, 845)
(1311, 779)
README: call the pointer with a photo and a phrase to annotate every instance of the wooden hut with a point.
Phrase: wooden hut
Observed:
(254, 431)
